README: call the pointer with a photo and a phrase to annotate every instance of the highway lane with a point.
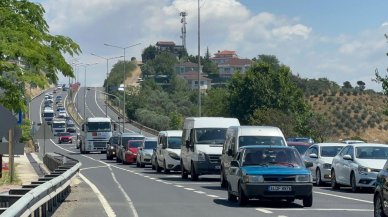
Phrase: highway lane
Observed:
(167, 195)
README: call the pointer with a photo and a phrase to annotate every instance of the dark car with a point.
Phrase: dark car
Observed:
(300, 146)
(301, 139)
(269, 172)
(65, 138)
(71, 130)
(111, 148)
(380, 199)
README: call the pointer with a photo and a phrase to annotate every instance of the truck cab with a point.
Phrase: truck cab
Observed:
(95, 134)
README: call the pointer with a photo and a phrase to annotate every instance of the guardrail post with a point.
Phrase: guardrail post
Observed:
(37, 212)
(44, 210)
(50, 205)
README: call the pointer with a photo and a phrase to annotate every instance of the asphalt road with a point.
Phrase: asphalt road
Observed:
(129, 191)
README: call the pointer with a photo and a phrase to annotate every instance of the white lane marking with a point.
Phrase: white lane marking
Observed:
(222, 198)
(316, 209)
(62, 147)
(179, 186)
(212, 195)
(146, 176)
(189, 189)
(196, 183)
(266, 211)
(88, 168)
(40, 110)
(343, 197)
(151, 178)
(159, 180)
(167, 183)
(108, 209)
(95, 99)
(199, 192)
(282, 216)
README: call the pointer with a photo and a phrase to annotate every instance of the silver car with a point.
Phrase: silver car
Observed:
(321, 155)
(145, 152)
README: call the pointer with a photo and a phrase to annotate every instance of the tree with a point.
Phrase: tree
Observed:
(361, 85)
(164, 64)
(347, 85)
(149, 54)
(28, 53)
(216, 103)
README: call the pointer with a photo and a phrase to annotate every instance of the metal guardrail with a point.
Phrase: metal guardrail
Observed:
(134, 123)
(42, 196)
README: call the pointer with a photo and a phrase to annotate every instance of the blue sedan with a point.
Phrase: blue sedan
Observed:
(269, 172)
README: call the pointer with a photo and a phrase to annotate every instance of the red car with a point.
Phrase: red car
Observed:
(65, 138)
(300, 146)
(130, 151)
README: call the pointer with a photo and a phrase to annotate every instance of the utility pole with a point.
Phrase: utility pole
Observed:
(199, 62)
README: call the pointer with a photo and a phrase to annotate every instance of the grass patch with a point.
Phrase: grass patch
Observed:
(4, 180)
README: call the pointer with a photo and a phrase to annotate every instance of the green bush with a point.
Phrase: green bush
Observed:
(26, 130)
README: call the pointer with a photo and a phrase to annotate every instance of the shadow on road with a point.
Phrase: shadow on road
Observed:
(260, 203)
(347, 190)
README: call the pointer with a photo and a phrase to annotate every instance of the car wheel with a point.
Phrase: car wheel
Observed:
(184, 174)
(308, 201)
(290, 200)
(137, 164)
(353, 183)
(158, 168)
(223, 182)
(242, 198)
(153, 166)
(378, 207)
(142, 165)
(318, 180)
(193, 174)
(334, 184)
(231, 196)
(166, 171)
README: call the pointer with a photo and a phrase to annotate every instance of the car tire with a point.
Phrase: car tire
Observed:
(318, 180)
(378, 210)
(353, 183)
(118, 160)
(158, 168)
(231, 196)
(334, 184)
(193, 173)
(137, 164)
(109, 157)
(242, 198)
(165, 170)
(184, 174)
(290, 200)
(142, 165)
(223, 181)
(153, 166)
(308, 201)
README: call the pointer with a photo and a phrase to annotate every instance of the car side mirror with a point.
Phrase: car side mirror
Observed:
(187, 143)
(234, 163)
(229, 152)
(313, 155)
(308, 164)
(347, 157)
(114, 127)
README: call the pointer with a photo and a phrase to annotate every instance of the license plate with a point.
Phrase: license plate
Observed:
(279, 188)
(217, 167)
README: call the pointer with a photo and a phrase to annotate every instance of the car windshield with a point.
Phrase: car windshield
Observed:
(330, 151)
(210, 135)
(48, 115)
(99, 126)
(174, 142)
(59, 125)
(64, 134)
(149, 144)
(261, 140)
(134, 144)
(301, 148)
(124, 140)
(114, 140)
(372, 152)
(272, 157)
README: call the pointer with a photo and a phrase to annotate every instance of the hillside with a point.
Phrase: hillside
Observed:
(354, 114)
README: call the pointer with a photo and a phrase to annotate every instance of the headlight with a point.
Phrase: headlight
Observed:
(175, 156)
(253, 178)
(327, 166)
(111, 147)
(201, 156)
(129, 152)
(363, 170)
(304, 178)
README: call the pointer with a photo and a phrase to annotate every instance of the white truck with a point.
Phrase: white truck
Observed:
(48, 115)
(58, 126)
(95, 134)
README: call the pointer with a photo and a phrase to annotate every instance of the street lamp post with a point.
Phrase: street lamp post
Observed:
(109, 94)
(124, 48)
(106, 84)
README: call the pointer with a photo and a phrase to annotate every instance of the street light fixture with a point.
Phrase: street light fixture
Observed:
(109, 94)
(107, 72)
(123, 48)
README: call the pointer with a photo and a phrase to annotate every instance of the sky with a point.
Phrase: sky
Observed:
(339, 40)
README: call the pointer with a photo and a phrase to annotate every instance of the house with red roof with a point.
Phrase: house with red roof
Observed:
(229, 63)
(186, 67)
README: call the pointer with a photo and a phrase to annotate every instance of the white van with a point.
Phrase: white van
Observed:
(238, 136)
(168, 151)
(201, 146)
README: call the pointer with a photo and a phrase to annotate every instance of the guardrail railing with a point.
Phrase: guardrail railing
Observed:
(41, 197)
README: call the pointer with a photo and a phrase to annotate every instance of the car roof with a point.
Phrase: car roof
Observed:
(368, 145)
(170, 133)
(258, 130)
(324, 144)
(266, 146)
(132, 135)
(298, 144)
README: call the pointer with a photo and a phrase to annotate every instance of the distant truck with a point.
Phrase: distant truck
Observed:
(95, 134)
(48, 115)
(58, 126)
